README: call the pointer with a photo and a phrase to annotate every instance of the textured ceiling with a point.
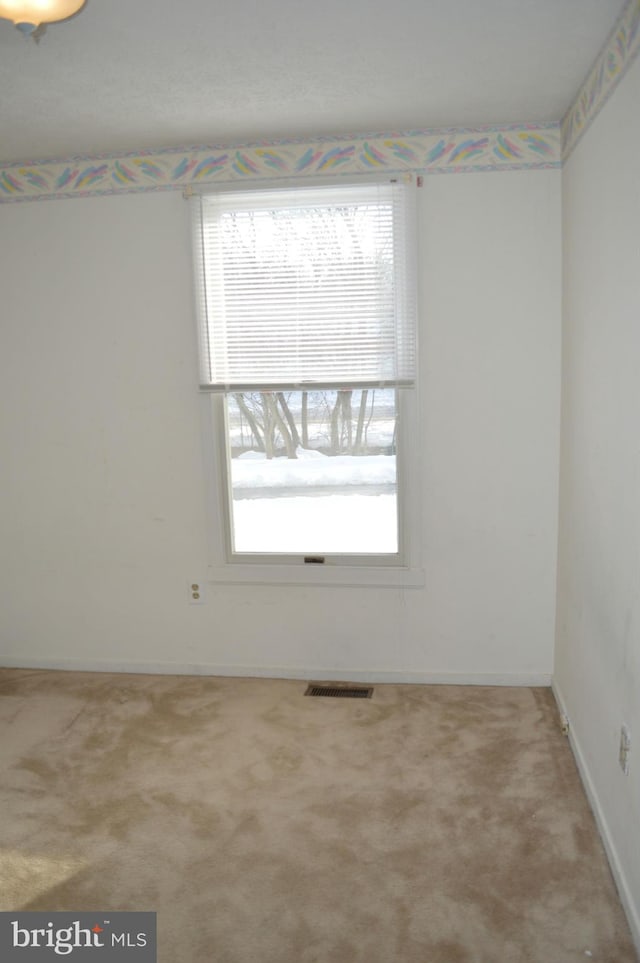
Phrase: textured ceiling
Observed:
(126, 75)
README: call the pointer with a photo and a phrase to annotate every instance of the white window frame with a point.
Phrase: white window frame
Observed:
(402, 569)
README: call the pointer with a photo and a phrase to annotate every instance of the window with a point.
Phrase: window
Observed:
(308, 351)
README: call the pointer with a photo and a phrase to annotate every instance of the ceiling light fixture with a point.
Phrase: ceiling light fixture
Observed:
(32, 16)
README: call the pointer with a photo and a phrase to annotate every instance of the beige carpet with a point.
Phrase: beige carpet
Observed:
(430, 824)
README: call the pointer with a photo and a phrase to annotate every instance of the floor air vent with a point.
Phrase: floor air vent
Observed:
(340, 691)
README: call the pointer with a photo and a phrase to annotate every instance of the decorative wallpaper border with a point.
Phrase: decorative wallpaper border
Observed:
(615, 58)
(441, 151)
(450, 151)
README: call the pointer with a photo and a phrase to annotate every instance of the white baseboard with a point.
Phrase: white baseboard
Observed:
(624, 890)
(312, 673)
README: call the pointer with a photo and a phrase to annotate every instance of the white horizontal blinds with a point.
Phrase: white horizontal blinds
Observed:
(306, 286)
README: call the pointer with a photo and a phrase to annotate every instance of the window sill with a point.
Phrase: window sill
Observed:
(339, 576)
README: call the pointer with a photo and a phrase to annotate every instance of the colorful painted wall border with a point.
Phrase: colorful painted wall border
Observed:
(448, 151)
(615, 58)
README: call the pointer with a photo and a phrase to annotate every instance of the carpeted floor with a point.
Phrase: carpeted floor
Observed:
(429, 824)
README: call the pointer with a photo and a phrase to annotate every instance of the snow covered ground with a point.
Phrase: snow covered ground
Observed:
(326, 520)
(346, 524)
(311, 469)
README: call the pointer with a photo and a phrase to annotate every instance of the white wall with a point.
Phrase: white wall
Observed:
(597, 673)
(103, 502)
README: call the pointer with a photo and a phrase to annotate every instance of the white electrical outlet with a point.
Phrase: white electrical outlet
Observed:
(625, 749)
(196, 593)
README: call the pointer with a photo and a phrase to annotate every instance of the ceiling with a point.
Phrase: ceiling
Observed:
(125, 75)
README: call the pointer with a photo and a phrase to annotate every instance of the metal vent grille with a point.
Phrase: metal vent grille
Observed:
(340, 691)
